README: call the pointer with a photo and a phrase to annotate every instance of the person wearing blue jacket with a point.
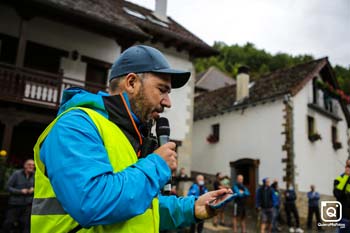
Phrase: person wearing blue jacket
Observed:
(264, 203)
(239, 205)
(197, 189)
(314, 198)
(291, 208)
(276, 200)
(85, 184)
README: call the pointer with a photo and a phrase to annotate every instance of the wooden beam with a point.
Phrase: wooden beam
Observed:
(21, 50)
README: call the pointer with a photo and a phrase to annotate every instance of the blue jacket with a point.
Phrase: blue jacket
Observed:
(236, 189)
(264, 197)
(313, 197)
(240, 200)
(196, 190)
(79, 169)
(276, 198)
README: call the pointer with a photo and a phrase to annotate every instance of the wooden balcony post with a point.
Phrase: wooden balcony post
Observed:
(22, 43)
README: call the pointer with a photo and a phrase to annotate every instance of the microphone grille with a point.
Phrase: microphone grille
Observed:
(162, 126)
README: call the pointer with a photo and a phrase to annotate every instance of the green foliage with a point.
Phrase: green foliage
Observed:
(260, 62)
(343, 76)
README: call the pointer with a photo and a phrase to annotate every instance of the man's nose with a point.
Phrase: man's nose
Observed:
(166, 101)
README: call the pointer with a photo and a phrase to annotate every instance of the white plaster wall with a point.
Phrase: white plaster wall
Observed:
(75, 69)
(317, 163)
(71, 38)
(254, 133)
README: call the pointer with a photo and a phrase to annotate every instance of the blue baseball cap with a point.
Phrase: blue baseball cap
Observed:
(142, 59)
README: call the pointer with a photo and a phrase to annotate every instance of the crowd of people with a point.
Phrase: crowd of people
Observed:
(268, 201)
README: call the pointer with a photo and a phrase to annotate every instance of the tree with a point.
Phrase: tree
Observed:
(260, 62)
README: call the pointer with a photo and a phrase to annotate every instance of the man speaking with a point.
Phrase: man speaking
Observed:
(94, 172)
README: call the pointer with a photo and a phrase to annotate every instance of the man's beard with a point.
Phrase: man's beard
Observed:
(141, 107)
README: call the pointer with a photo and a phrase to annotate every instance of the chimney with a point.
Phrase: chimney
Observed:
(242, 83)
(160, 10)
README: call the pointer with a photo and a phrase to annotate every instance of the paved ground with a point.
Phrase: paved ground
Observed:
(251, 223)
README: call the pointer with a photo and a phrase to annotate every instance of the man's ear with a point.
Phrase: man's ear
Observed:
(130, 83)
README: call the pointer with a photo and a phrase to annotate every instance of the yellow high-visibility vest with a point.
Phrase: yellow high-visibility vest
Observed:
(343, 183)
(48, 216)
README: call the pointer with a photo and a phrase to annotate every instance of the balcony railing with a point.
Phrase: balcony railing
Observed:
(34, 87)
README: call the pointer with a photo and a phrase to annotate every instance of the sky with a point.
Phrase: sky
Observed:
(317, 27)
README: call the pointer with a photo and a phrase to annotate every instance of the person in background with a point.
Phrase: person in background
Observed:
(276, 206)
(342, 194)
(182, 175)
(314, 198)
(225, 182)
(221, 215)
(264, 204)
(21, 187)
(291, 208)
(239, 206)
(198, 189)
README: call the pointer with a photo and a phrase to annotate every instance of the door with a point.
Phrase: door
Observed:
(249, 169)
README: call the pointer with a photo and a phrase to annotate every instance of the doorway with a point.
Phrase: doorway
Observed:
(249, 168)
(23, 140)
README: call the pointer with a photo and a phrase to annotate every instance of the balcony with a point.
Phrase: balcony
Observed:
(33, 87)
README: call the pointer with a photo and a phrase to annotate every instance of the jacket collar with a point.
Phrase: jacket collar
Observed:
(119, 112)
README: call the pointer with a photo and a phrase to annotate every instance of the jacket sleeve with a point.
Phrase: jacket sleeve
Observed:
(317, 196)
(246, 192)
(192, 191)
(274, 198)
(11, 184)
(236, 190)
(176, 212)
(83, 180)
(309, 195)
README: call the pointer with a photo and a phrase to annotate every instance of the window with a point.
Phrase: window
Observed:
(328, 103)
(215, 134)
(8, 49)
(311, 125)
(312, 133)
(336, 144)
(42, 57)
(96, 73)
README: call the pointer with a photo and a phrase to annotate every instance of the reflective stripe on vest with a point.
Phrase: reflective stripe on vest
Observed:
(47, 213)
(343, 183)
(47, 206)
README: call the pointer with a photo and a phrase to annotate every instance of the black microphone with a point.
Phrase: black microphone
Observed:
(163, 134)
(162, 130)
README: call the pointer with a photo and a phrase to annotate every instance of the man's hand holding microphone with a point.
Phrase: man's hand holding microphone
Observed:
(167, 151)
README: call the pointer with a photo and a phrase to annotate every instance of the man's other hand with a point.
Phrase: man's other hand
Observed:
(167, 152)
(202, 208)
